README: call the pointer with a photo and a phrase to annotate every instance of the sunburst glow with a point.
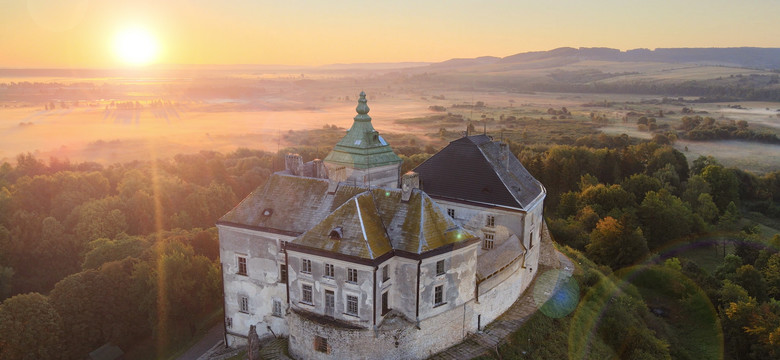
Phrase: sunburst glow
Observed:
(135, 46)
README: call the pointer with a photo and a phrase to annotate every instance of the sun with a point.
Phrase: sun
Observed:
(135, 46)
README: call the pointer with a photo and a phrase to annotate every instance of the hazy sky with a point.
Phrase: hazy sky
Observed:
(82, 33)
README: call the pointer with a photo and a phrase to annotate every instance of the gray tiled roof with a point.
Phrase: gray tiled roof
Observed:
(473, 168)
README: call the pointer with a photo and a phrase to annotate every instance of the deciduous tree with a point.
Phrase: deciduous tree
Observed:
(30, 328)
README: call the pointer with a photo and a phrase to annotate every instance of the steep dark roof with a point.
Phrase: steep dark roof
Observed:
(474, 169)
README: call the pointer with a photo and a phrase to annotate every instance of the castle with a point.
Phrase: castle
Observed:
(335, 256)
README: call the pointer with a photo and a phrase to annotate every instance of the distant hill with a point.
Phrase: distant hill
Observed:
(749, 57)
(713, 74)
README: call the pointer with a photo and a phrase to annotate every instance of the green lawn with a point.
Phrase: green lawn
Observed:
(705, 254)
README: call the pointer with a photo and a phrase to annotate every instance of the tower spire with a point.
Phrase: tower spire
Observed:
(362, 149)
(362, 108)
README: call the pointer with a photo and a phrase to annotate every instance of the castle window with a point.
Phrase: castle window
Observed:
(530, 238)
(321, 344)
(385, 303)
(336, 233)
(268, 212)
(277, 310)
(488, 244)
(306, 294)
(283, 273)
(385, 273)
(229, 322)
(440, 267)
(242, 265)
(306, 266)
(329, 270)
(243, 304)
(438, 295)
(451, 213)
(490, 221)
(352, 276)
(352, 305)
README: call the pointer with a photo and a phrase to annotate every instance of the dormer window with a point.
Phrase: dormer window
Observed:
(336, 233)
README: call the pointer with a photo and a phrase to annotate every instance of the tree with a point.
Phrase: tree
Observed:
(728, 267)
(668, 155)
(104, 250)
(753, 329)
(641, 184)
(6, 276)
(102, 218)
(706, 208)
(30, 328)
(611, 243)
(97, 306)
(772, 276)
(664, 218)
(702, 162)
(76, 300)
(731, 292)
(668, 176)
(729, 221)
(751, 280)
(604, 200)
(695, 186)
(724, 185)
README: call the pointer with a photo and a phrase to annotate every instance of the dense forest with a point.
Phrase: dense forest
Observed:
(91, 254)
(625, 208)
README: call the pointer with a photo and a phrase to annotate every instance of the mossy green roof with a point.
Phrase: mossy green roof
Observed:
(362, 147)
(375, 222)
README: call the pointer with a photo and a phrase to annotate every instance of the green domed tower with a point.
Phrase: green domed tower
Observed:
(363, 156)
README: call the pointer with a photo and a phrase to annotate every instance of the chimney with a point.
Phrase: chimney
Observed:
(503, 154)
(293, 163)
(319, 169)
(409, 182)
(336, 175)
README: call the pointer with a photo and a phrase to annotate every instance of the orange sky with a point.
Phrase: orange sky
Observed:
(80, 33)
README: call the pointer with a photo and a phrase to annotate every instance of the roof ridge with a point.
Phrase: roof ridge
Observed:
(363, 228)
(421, 236)
(497, 171)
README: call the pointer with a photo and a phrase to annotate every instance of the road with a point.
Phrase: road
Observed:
(212, 337)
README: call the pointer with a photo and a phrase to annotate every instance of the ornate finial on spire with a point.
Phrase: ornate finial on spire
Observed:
(362, 108)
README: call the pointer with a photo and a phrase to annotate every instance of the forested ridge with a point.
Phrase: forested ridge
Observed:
(91, 254)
